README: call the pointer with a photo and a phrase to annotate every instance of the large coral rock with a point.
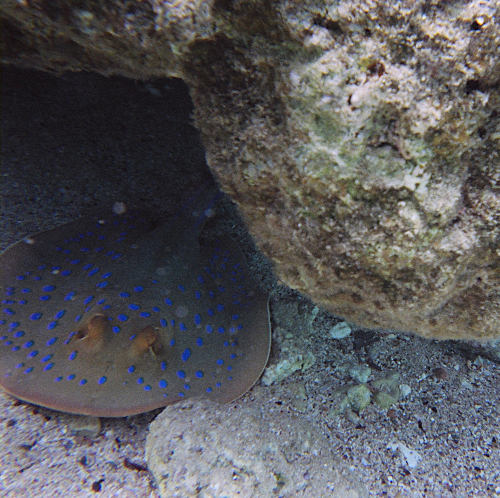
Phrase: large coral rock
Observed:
(360, 139)
(201, 449)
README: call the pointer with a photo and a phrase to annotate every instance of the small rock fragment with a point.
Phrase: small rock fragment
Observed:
(81, 425)
(411, 456)
(360, 373)
(359, 397)
(340, 331)
(388, 392)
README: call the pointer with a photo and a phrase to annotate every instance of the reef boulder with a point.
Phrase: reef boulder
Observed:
(360, 140)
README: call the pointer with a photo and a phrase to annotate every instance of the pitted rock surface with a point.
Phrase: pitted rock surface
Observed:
(361, 141)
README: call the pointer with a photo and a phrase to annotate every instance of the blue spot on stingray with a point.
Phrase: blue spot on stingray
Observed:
(102, 380)
(44, 298)
(163, 384)
(33, 354)
(172, 322)
(106, 307)
(124, 294)
(139, 288)
(201, 279)
(182, 327)
(140, 380)
(220, 307)
(26, 291)
(65, 273)
(52, 325)
(116, 256)
(155, 309)
(88, 299)
(70, 377)
(16, 348)
(23, 302)
(168, 302)
(181, 374)
(87, 266)
(199, 374)
(220, 362)
(75, 261)
(72, 356)
(59, 314)
(133, 306)
(101, 285)
(209, 329)
(9, 312)
(13, 325)
(101, 301)
(28, 370)
(83, 382)
(182, 288)
(144, 314)
(45, 359)
(197, 295)
(91, 273)
(106, 275)
(232, 356)
(28, 344)
(131, 369)
(187, 387)
(48, 367)
(218, 384)
(211, 294)
(36, 316)
(69, 296)
(172, 342)
(116, 329)
(221, 330)
(21, 277)
(186, 354)
(78, 318)
(8, 301)
(58, 379)
(51, 341)
(163, 322)
(122, 318)
(163, 365)
(210, 312)
(147, 388)
(197, 319)
(209, 389)
(20, 333)
(199, 341)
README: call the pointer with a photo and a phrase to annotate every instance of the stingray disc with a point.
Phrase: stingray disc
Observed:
(113, 315)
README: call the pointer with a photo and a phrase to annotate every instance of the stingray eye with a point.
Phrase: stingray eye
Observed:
(91, 334)
(148, 339)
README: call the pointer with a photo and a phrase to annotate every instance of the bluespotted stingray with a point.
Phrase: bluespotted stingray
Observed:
(117, 314)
